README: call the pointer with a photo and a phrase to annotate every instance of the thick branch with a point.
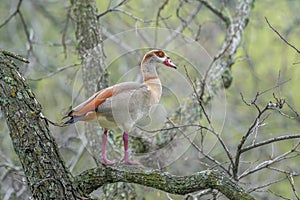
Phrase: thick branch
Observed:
(92, 179)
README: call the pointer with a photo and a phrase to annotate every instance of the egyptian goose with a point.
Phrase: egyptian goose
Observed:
(123, 104)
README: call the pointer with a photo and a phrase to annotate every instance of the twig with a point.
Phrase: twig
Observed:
(266, 185)
(292, 109)
(26, 32)
(197, 96)
(278, 195)
(281, 37)
(216, 11)
(65, 29)
(182, 26)
(55, 72)
(269, 141)
(296, 63)
(132, 16)
(245, 137)
(160, 9)
(278, 85)
(170, 128)
(199, 149)
(111, 9)
(158, 16)
(12, 15)
(211, 129)
(292, 183)
(267, 163)
(210, 67)
(18, 12)
(283, 171)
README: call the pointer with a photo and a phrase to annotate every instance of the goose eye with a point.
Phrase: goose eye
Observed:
(160, 54)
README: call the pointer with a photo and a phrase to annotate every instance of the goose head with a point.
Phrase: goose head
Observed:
(158, 56)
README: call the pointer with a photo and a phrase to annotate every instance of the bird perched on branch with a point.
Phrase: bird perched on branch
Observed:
(123, 104)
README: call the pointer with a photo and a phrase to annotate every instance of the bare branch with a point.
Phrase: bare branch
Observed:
(201, 151)
(55, 72)
(65, 29)
(267, 163)
(199, 99)
(292, 183)
(266, 185)
(244, 138)
(211, 129)
(132, 16)
(292, 109)
(12, 15)
(30, 48)
(160, 9)
(281, 37)
(211, 65)
(180, 28)
(111, 9)
(18, 12)
(269, 141)
(216, 11)
(283, 171)
(278, 195)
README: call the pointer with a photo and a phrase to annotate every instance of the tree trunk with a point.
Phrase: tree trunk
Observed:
(93, 70)
(47, 176)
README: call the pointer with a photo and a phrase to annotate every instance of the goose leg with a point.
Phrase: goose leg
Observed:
(126, 158)
(105, 161)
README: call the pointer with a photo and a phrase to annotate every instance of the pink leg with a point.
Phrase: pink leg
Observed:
(105, 161)
(126, 158)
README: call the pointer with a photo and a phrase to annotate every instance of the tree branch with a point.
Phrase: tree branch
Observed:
(216, 11)
(12, 15)
(267, 163)
(269, 141)
(244, 138)
(92, 179)
(111, 9)
(55, 72)
(281, 37)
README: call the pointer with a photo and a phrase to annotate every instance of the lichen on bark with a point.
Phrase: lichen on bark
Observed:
(46, 174)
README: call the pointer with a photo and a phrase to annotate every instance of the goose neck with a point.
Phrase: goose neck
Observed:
(149, 70)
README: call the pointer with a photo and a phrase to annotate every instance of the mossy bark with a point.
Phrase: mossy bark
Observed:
(47, 176)
(207, 179)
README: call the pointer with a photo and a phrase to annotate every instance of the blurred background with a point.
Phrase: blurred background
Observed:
(45, 34)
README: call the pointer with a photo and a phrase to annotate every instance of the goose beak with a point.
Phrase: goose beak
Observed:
(169, 63)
